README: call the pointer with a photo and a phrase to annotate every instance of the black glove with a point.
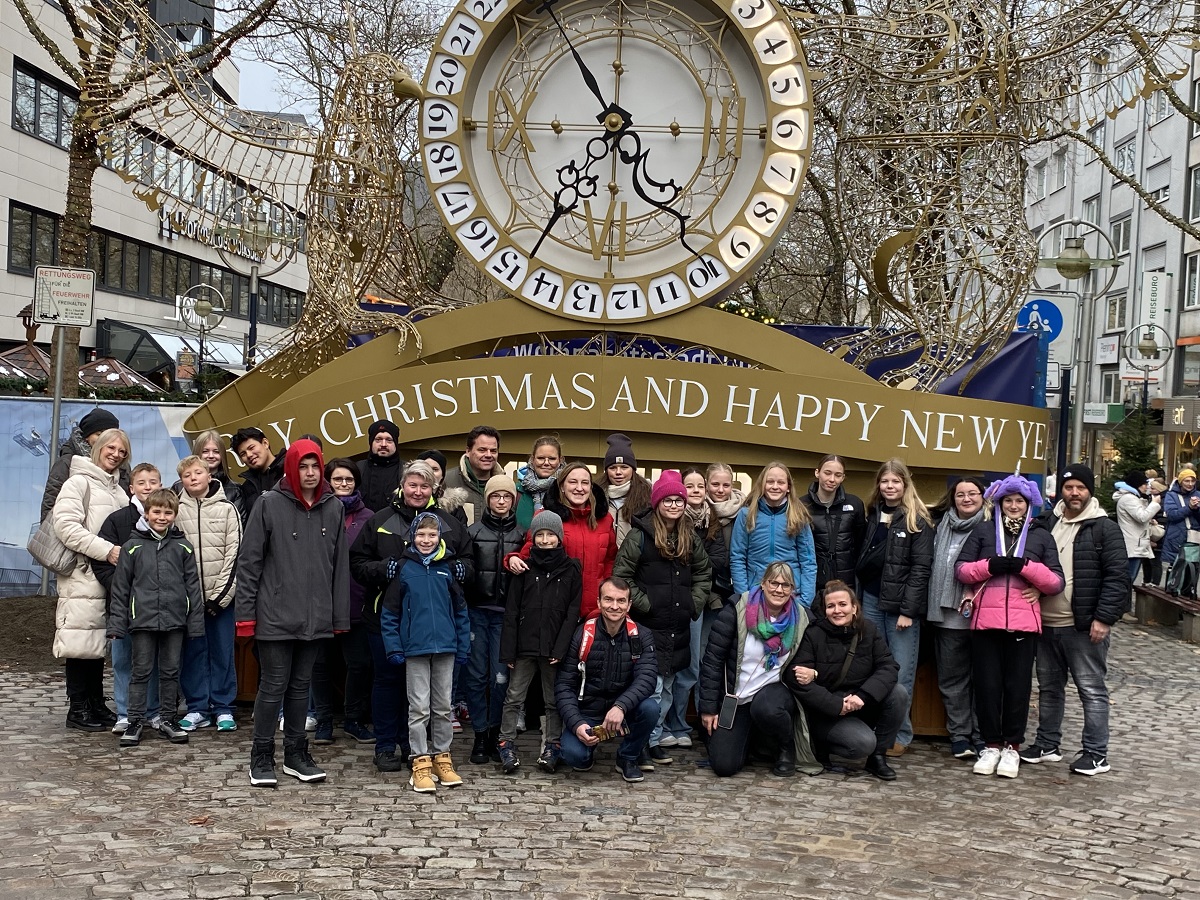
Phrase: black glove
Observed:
(460, 571)
(393, 566)
(1006, 565)
(212, 607)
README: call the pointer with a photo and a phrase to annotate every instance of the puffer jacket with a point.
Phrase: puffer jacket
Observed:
(1177, 507)
(667, 594)
(1100, 585)
(751, 552)
(618, 672)
(838, 530)
(1134, 515)
(157, 585)
(492, 539)
(117, 529)
(292, 574)
(378, 478)
(543, 607)
(424, 612)
(595, 548)
(872, 675)
(907, 562)
(998, 604)
(214, 527)
(385, 536)
(722, 663)
(88, 497)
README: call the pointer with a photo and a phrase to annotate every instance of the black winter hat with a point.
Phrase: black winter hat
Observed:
(620, 450)
(437, 456)
(1082, 474)
(383, 425)
(96, 421)
(1136, 478)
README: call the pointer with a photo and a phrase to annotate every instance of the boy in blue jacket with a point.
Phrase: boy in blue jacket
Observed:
(424, 624)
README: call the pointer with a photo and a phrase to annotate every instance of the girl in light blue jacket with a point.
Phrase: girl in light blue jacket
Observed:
(773, 526)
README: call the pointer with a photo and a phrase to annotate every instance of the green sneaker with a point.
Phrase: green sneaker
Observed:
(225, 722)
(192, 721)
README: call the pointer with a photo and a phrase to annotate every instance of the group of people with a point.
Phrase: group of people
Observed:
(790, 618)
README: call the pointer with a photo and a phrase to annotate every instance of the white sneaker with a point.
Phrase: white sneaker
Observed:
(1009, 763)
(669, 740)
(987, 762)
(121, 725)
(682, 741)
(310, 724)
(156, 722)
(195, 720)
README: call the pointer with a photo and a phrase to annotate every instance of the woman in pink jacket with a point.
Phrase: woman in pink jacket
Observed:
(1007, 564)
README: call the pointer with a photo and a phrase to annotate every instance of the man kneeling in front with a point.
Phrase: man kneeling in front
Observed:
(605, 685)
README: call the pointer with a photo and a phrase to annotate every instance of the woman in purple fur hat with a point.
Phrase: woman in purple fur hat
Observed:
(1000, 562)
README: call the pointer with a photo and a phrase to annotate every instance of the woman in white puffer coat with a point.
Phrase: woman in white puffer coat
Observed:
(90, 494)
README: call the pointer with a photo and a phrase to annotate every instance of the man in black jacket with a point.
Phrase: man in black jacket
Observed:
(264, 469)
(379, 473)
(1076, 624)
(612, 688)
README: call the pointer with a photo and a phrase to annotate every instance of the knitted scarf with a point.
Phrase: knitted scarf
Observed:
(535, 486)
(779, 636)
(944, 590)
(727, 510)
(698, 516)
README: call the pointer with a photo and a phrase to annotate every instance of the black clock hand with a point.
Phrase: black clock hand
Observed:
(576, 185)
(589, 79)
(637, 159)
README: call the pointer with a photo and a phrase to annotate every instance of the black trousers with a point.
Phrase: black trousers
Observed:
(768, 715)
(1002, 672)
(285, 669)
(85, 679)
(149, 648)
(872, 729)
(356, 653)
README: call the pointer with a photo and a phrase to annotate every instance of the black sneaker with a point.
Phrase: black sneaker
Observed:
(479, 750)
(132, 735)
(509, 760)
(172, 732)
(1036, 753)
(629, 769)
(358, 731)
(962, 750)
(661, 756)
(388, 761)
(298, 763)
(644, 762)
(1089, 763)
(324, 734)
(262, 766)
(551, 754)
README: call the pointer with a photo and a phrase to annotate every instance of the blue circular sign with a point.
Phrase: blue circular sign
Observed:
(1040, 315)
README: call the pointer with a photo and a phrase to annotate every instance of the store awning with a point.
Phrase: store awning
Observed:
(150, 351)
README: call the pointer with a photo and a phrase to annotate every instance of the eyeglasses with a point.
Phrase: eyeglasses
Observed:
(780, 585)
(967, 496)
(672, 501)
(342, 479)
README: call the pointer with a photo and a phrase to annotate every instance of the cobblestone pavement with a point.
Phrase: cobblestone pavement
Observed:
(79, 818)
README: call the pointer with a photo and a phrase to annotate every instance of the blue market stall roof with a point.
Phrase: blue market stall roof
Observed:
(1009, 377)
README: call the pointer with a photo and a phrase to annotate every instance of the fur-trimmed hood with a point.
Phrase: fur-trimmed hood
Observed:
(453, 498)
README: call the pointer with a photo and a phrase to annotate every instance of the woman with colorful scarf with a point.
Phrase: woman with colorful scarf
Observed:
(742, 702)
(1000, 560)
(847, 683)
(536, 477)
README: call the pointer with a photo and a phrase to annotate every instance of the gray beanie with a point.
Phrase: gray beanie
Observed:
(546, 521)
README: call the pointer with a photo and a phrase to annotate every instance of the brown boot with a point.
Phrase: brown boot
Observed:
(897, 749)
(422, 779)
(443, 770)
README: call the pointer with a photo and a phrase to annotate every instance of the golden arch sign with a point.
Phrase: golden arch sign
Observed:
(799, 403)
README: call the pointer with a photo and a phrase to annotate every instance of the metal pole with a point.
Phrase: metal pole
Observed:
(1145, 390)
(59, 350)
(200, 368)
(1063, 423)
(1084, 363)
(252, 336)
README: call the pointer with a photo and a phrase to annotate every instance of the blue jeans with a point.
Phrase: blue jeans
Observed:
(1062, 652)
(486, 678)
(389, 699)
(664, 696)
(1135, 566)
(122, 663)
(207, 678)
(639, 722)
(904, 646)
(675, 722)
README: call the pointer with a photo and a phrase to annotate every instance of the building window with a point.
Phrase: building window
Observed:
(42, 107)
(32, 238)
(1091, 210)
(1125, 158)
(1121, 234)
(1160, 194)
(1059, 169)
(1158, 107)
(1116, 313)
(1096, 136)
(1038, 185)
(1191, 281)
(1110, 387)
(1196, 105)
(1194, 193)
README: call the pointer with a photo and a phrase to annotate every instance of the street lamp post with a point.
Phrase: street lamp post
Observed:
(1072, 263)
(1144, 351)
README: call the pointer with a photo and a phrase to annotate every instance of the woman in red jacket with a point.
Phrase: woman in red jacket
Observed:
(588, 533)
(998, 563)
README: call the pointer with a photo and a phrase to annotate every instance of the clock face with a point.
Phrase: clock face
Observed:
(616, 159)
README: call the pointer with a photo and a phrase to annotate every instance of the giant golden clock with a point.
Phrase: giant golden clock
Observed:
(616, 159)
